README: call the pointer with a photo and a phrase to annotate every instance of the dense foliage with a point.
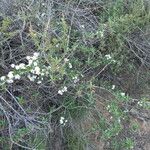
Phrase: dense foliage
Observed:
(74, 74)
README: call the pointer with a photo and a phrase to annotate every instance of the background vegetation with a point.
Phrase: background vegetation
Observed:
(74, 74)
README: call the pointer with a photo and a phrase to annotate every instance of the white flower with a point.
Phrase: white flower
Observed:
(28, 57)
(30, 62)
(108, 56)
(66, 59)
(31, 78)
(10, 81)
(37, 70)
(108, 107)
(17, 67)
(70, 65)
(62, 120)
(75, 79)
(3, 78)
(43, 70)
(43, 14)
(39, 82)
(60, 92)
(113, 87)
(12, 66)
(64, 89)
(10, 75)
(82, 26)
(34, 58)
(17, 76)
(35, 55)
(65, 122)
(122, 94)
(22, 66)
(57, 45)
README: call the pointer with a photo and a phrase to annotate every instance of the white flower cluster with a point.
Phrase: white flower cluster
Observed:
(18, 67)
(66, 59)
(33, 69)
(60, 92)
(32, 59)
(10, 77)
(36, 72)
(75, 79)
(108, 56)
(63, 121)
(140, 103)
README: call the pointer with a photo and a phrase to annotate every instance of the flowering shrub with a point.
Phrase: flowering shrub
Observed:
(35, 71)
(22, 69)
(62, 68)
